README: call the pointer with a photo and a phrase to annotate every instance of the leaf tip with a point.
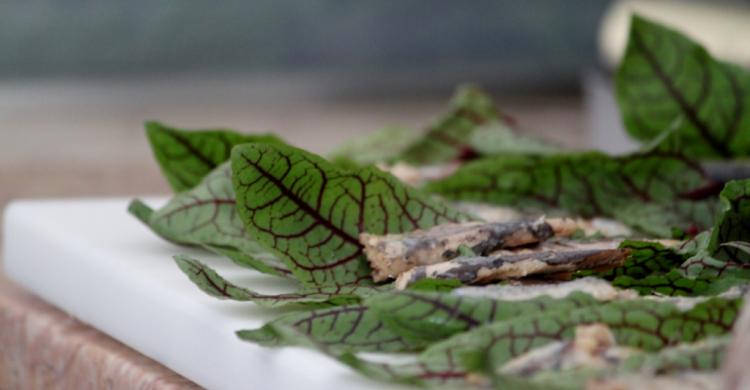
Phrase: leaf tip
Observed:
(263, 336)
(152, 126)
(637, 18)
(196, 271)
(140, 210)
(187, 264)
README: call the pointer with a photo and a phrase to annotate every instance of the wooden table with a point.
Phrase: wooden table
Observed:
(43, 348)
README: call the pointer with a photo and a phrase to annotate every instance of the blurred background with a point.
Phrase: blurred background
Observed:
(78, 77)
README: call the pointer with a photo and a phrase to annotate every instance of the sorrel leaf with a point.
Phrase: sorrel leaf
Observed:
(722, 274)
(431, 317)
(498, 138)
(472, 127)
(645, 258)
(733, 223)
(449, 137)
(186, 156)
(668, 82)
(311, 212)
(705, 355)
(213, 284)
(652, 268)
(206, 216)
(703, 265)
(642, 323)
(719, 254)
(651, 192)
(383, 146)
(672, 283)
(349, 328)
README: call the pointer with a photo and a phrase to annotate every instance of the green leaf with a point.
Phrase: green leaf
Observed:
(695, 245)
(252, 255)
(497, 138)
(140, 211)
(651, 192)
(449, 137)
(651, 268)
(703, 265)
(435, 285)
(645, 258)
(672, 283)
(716, 255)
(296, 336)
(346, 328)
(206, 216)
(667, 80)
(705, 355)
(733, 223)
(722, 273)
(647, 324)
(213, 284)
(383, 146)
(471, 127)
(464, 250)
(186, 156)
(312, 213)
(431, 317)
(444, 373)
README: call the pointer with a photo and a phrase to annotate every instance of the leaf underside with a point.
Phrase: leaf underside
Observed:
(343, 328)
(213, 284)
(206, 216)
(646, 324)
(703, 356)
(432, 316)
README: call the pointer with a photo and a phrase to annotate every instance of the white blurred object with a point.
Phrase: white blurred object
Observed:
(722, 27)
(605, 128)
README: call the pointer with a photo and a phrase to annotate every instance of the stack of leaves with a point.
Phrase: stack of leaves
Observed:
(570, 309)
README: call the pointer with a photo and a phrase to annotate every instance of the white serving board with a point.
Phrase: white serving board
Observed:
(98, 263)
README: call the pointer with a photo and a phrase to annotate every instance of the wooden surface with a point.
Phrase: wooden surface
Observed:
(66, 139)
(43, 348)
